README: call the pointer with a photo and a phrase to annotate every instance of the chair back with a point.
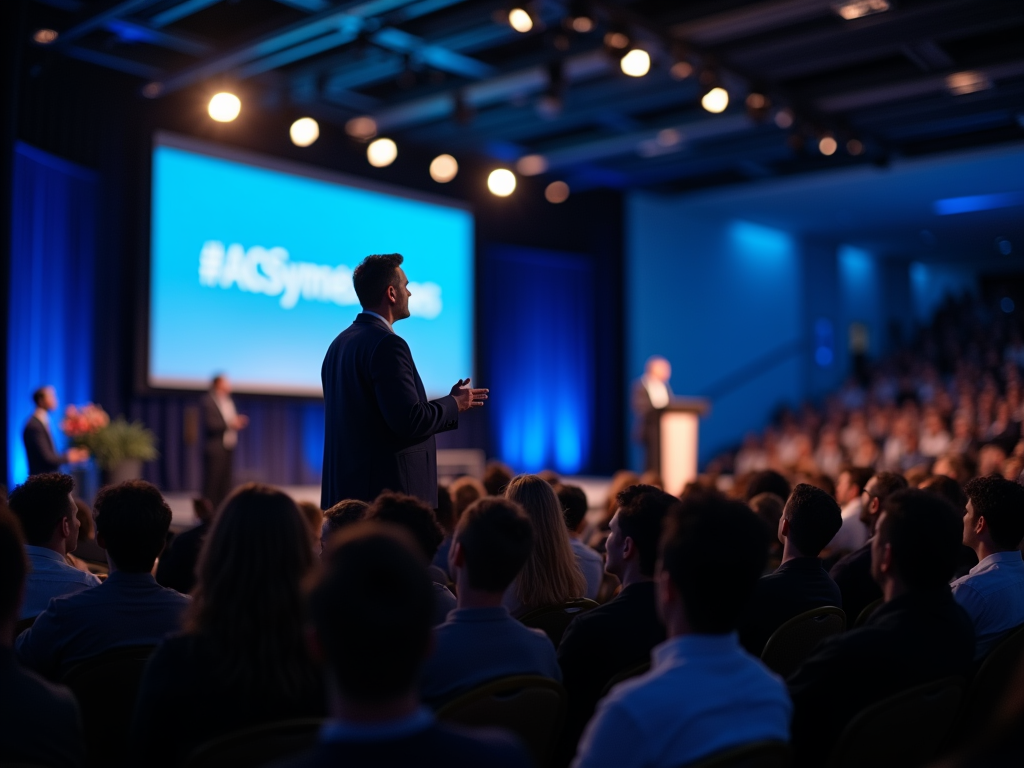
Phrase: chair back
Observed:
(795, 640)
(989, 685)
(901, 731)
(554, 619)
(758, 754)
(625, 674)
(22, 624)
(257, 745)
(106, 687)
(530, 706)
(865, 614)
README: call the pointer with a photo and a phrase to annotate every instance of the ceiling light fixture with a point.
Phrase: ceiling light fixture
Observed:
(556, 192)
(828, 145)
(520, 20)
(304, 131)
(501, 182)
(971, 81)
(45, 36)
(636, 63)
(681, 70)
(784, 118)
(362, 128)
(855, 147)
(715, 100)
(382, 153)
(443, 169)
(859, 8)
(224, 107)
(532, 165)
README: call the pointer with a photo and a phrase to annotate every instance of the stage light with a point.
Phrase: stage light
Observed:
(579, 18)
(557, 192)
(962, 83)
(501, 182)
(304, 131)
(715, 100)
(681, 70)
(224, 107)
(582, 24)
(828, 145)
(757, 101)
(860, 8)
(362, 128)
(532, 165)
(443, 169)
(381, 153)
(855, 147)
(152, 90)
(784, 118)
(45, 36)
(617, 37)
(520, 20)
(636, 63)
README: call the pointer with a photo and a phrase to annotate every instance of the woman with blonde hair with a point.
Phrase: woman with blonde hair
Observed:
(551, 575)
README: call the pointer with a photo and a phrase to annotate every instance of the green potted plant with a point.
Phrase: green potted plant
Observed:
(119, 446)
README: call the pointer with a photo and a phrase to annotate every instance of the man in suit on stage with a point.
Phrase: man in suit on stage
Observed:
(39, 446)
(380, 426)
(222, 424)
(651, 393)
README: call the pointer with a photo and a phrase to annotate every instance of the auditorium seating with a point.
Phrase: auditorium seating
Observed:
(990, 683)
(869, 609)
(256, 746)
(795, 640)
(760, 754)
(624, 675)
(554, 619)
(530, 706)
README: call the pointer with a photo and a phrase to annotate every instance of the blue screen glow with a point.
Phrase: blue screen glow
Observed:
(251, 271)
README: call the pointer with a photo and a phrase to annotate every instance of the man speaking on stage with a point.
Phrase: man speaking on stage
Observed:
(380, 426)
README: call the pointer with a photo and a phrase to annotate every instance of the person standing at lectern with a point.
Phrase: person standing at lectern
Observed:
(380, 426)
(651, 394)
(40, 449)
(222, 424)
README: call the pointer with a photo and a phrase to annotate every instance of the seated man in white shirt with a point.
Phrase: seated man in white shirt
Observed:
(49, 517)
(574, 511)
(992, 592)
(849, 488)
(704, 693)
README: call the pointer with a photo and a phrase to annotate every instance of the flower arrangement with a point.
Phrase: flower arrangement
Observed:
(81, 423)
(111, 442)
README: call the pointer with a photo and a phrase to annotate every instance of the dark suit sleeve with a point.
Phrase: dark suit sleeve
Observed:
(394, 380)
(213, 421)
(38, 444)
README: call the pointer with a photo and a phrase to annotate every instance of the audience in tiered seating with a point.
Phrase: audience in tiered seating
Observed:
(39, 721)
(372, 615)
(49, 517)
(177, 566)
(704, 693)
(809, 520)
(853, 573)
(551, 575)
(419, 520)
(129, 608)
(854, 533)
(480, 641)
(768, 507)
(993, 592)
(242, 659)
(574, 511)
(620, 634)
(919, 635)
(342, 514)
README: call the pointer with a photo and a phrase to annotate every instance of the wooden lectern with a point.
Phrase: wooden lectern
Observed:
(678, 428)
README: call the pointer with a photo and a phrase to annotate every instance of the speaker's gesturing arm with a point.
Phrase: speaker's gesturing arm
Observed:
(394, 381)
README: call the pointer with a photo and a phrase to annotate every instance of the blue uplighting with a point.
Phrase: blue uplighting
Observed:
(952, 205)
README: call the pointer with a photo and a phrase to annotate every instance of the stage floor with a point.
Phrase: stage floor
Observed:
(183, 518)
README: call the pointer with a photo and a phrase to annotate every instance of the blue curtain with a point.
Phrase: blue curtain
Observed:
(50, 327)
(538, 320)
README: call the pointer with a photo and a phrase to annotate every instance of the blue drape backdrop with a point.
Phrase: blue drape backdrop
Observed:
(50, 322)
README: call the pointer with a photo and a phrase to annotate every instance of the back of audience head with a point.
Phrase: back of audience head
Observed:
(995, 513)
(314, 517)
(445, 512)
(549, 476)
(917, 540)
(464, 491)
(248, 595)
(712, 553)
(497, 476)
(86, 520)
(810, 520)
(769, 508)
(652, 477)
(491, 544)
(948, 489)
(823, 482)
(574, 505)
(880, 487)
(47, 512)
(342, 514)
(13, 570)
(551, 574)
(413, 515)
(636, 530)
(621, 480)
(203, 509)
(372, 613)
(132, 520)
(767, 481)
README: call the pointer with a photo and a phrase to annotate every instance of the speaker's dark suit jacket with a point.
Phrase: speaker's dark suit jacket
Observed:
(380, 426)
(39, 448)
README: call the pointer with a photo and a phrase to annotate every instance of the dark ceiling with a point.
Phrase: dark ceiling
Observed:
(455, 77)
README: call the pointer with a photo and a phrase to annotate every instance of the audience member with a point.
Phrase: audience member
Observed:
(768, 507)
(574, 512)
(464, 491)
(853, 572)
(419, 520)
(767, 481)
(497, 476)
(551, 575)
(849, 488)
(481, 641)
(620, 634)
(950, 490)
(39, 721)
(342, 514)
(127, 609)
(87, 551)
(314, 517)
(49, 518)
(445, 514)
(177, 566)
(809, 520)
(703, 694)
(372, 612)
(242, 659)
(919, 635)
(993, 592)
(597, 531)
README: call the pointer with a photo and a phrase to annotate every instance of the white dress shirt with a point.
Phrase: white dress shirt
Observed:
(592, 565)
(50, 576)
(704, 693)
(226, 406)
(853, 534)
(657, 391)
(992, 593)
(380, 317)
